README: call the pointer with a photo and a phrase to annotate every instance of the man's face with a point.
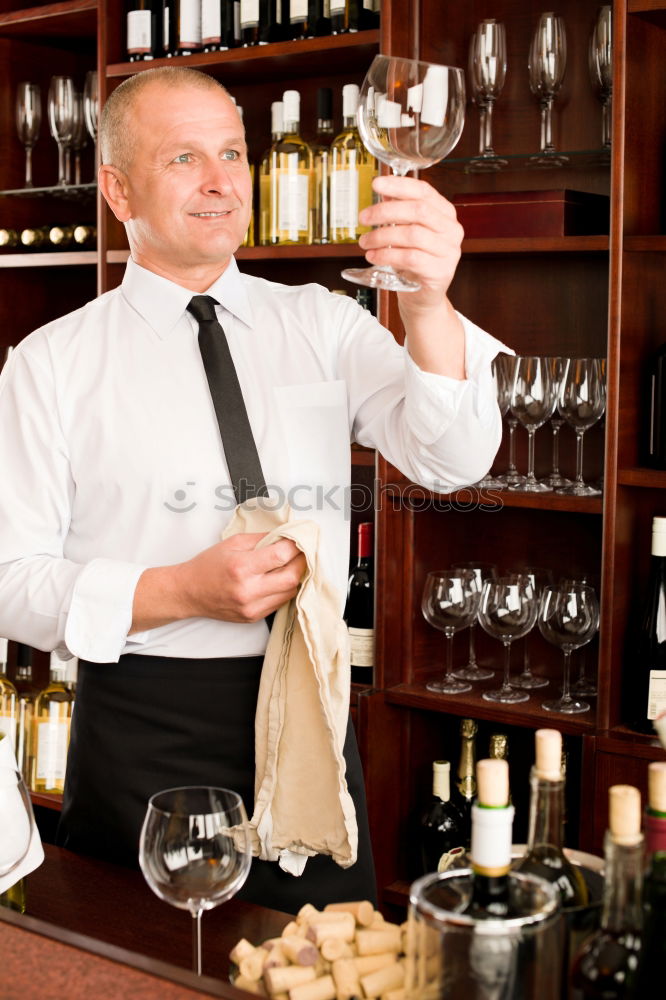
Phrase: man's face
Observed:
(189, 184)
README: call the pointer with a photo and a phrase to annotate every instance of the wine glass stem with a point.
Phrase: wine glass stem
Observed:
(582, 677)
(196, 942)
(546, 125)
(531, 431)
(472, 645)
(77, 168)
(527, 670)
(565, 679)
(483, 111)
(449, 655)
(62, 174)
(28, 166)
(606, 121)
(579, 456)
(488, 143)
(507, 666)
(512, 447)
(555, 471)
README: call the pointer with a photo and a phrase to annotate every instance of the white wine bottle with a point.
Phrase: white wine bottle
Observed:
(50, 730)
(293, 181)
(321, 158)
(268, 227)
(351, 174)
(27, 694)
(490, 851)
(8, 700)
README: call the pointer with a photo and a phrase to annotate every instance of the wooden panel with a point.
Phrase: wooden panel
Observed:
(614, 769)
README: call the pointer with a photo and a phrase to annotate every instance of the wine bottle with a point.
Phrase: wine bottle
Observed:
(61, 237)
(219, 19)
(351, 174)
(50, 730)
(8, 700)
(544, 855)
(360, 608)
(492, 823)
(182, 26)
(321, 156)
(302, 17)
(268, 226)
(35, 239)
(261, 21)
(466, 775)
(293, 180)
(26, 696)
(9, 238)
(344, 16)
(14, 897)
(249, 235)
(441, 825)
(646, 670)
(653, 951)
(145, 20)
(368, 17)
(85, 236)
(604, 964)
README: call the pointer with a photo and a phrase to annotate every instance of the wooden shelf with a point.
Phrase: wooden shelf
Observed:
(654, 479)
(344, 54)
(48, 801)
(536, 244)
(622, 740)
(65, 258)
(67, 20)
(645, 244)
(363, 456)
(527, 713)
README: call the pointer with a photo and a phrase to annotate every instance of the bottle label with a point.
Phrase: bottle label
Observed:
(190, 24)
(8, 727)
(344, 199)
(249, 14)
(52, 743)
(362, 642)
(139, 32)
(211, 21)
(656, 694)
(293, 190)
(298, 11)
(491, 840)
(337, 8)
(165, 27)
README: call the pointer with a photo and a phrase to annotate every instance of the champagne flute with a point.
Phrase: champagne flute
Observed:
(568, 618)
(581, 402)
(532, 403)
(487, 72)
(600, 61)
(79, 134)
(508, 362)
(480, 571)
(28, 122)
(91, 103)
(547, 64)
(195, 851)
(61, 119)
(450, 602)
(555, 479)
(16, 820)
(410, 115)
(507, 612)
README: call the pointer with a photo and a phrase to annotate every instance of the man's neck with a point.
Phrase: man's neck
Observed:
(194, 279)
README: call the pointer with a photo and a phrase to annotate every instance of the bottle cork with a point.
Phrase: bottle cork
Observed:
(492, 781)
(548, 761)
(657, 786)
(624, 814)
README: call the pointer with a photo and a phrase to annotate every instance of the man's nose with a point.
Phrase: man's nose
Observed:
(218, 178)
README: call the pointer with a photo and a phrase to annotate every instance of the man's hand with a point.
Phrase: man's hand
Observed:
(231, 581)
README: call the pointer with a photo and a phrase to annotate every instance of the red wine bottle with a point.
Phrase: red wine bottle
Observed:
(646, 669)
(441, 825)
(220, 25)
(144, 29)
(360, 608)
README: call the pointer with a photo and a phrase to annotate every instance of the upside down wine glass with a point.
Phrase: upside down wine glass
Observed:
(450, 602)
(410, 115)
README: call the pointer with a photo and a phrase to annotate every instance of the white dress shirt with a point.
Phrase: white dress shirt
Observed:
(112, 462)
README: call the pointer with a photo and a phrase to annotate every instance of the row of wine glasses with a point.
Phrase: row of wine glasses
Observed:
(507, 607)
(534, 390)
(72, 116)
(487, 65)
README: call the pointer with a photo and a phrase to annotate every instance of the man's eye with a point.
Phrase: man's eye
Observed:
(231, 154)
(182, 158)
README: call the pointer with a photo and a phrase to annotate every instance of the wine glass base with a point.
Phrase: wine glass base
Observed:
(505, 697)
(475, 673)
(584, 688)
(532, 487)
(547, 161)
(529, 681)
(380, 277)
(485, 164)
(579, 490)
(490, 483)
(568, 706)
(556, 481)
(512, 479)
(448, 686)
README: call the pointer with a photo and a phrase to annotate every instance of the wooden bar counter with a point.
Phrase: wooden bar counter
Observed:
(94, 931)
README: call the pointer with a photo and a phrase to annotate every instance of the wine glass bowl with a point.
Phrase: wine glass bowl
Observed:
(487, 73)
(61, 114)
(194, 850)
(581, 401)
(547, 64)
(410, 115)
(28, 122)
(532, 403)
(507, 612)
(449, 603)
(16, 820)
(568, 618)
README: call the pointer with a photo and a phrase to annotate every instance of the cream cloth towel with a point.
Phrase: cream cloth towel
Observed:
(14, 822)
(302, 803)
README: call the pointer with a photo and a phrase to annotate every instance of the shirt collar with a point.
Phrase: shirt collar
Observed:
(162, 303)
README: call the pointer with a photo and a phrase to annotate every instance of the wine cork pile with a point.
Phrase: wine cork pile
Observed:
(346, 950)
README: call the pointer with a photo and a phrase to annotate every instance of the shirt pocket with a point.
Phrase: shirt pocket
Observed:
(315, 423)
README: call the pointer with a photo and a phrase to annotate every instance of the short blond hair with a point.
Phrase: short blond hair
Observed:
(117, 139)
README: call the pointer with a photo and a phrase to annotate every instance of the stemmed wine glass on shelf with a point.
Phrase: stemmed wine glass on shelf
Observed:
(500, 375)
(508, 362)
(79, 136)
(61, 119)
(487, 72)
(555, 479)
(581, 402)
(16, 820)
(195, 850)
(90, 103)
(480, 571)
(507, 611)
(410, 115)
(600, 61)
(532, 403)
(28, 122)
(449, 603)
(547, 64)
(568, 618)
(539, 577)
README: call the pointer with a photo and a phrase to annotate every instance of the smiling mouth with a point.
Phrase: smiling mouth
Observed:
(209, 215)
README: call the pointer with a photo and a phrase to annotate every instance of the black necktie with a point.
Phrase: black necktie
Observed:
(240, 449)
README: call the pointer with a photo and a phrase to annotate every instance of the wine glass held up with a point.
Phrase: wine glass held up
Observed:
(450, 603)
(410, 115)
(487, 72)
(568, 618)
(28, 122)
(547, 64)
(194, 850)
(507, 612)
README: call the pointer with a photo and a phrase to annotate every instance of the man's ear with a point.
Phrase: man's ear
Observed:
(114, 186)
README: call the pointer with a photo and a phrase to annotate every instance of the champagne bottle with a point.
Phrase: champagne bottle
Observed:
(293, 182)
(351, 173)
(603, 966)
(9, 238)
(261, 21)
(50, 730)
(360, 608)
(35, 239)
(268, 227)
(220, 25)
(344, 16)
(85, 236)
(498, 749)
(144, 29)
(466, 774)
(27, 694)
(492, 821)
(8, 700)
(441, 825)
(544, 855)
(61, 237)
(321, 157)
(653, 951)
(646, 672)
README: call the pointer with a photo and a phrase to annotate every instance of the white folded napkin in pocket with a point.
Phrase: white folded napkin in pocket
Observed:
(13, 817)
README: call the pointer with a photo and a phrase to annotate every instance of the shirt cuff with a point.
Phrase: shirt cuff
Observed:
(100, 613)
(432, 401)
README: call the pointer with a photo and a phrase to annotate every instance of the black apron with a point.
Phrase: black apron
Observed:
(151, 722)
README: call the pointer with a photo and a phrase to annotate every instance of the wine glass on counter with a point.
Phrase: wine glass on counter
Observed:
(555, 479)
(61, 119)
(532, 403)
(539, 577)
(16, 819)
(568, 618)
(547, 64)
(507, 612)
(487, 73)
(195, 850)
(28, 122)
(449, 603)
(480, 571)
(600, 61)
(581, 402)
(410, 115)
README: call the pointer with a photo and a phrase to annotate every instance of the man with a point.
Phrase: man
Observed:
(116, 487)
